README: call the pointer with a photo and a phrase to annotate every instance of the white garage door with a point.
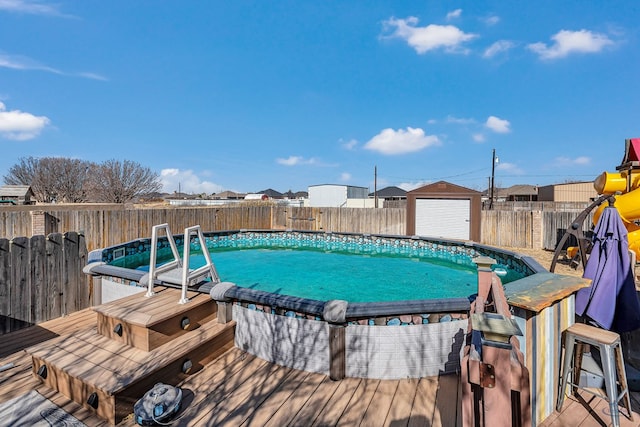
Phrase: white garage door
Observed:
(447, 218)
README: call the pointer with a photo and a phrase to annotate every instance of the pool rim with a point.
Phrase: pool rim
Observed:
(316, 307)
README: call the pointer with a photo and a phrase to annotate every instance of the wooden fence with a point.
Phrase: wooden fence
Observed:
(108, 225)
(41, 278)
(104, 226)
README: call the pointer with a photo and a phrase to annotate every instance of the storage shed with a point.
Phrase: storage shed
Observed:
(337, 196)
(16, 195)
(444, 210)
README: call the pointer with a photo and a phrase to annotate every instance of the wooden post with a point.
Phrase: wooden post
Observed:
(225, 312)
(497, 396)
(334, 313)
(337, 353)
(485, 275)
(493, 365)
(225, 306)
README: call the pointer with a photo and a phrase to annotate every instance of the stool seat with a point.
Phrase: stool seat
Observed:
(615, 379)
(593, 335)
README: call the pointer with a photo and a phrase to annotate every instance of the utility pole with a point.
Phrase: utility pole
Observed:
(375, 185)
(493, 175)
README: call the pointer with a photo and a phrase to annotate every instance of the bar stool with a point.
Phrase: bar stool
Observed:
(579, 334)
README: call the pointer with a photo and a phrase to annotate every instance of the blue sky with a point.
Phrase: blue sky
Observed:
(247, 95)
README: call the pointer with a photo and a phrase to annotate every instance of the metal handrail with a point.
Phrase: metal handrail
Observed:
(177, 265)
(153, 270)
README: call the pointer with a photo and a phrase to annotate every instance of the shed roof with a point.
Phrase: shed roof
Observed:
(229, 195)
(15, 190)
(390, 191)
(271, 193)
(520, 190)
(443, 187)
(336, 185)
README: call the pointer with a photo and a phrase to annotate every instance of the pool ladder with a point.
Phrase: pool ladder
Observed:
(176, 272)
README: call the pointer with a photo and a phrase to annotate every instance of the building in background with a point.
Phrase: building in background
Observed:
(17, 195)
(444, 210)
(339, 196)
(569, 192)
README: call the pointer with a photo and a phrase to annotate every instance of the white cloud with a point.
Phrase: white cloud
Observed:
(187, 181)
(18, 62)
(478, 137)
(460, 121)
(510, 168)
(432, 37)
(92, 76)
(498, 125)
(32, 7)
(401, 141)
(566, 161)
(345, 177)
(492, 20)
(290, 161)
(408, 186)
(20, 126)
(498, 47)
(568, 42)
(295, 160)
(350, 144)
(454, 14)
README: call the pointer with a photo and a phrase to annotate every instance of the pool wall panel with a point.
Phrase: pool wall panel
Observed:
(112, 290)
(414, 351)
(288, 341)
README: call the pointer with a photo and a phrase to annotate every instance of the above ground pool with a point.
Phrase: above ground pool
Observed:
(359, 305)
(325, 266)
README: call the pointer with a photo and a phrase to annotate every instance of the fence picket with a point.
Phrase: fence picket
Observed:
(55, 274)
(20, 282)
(38, 280)
(5, 286)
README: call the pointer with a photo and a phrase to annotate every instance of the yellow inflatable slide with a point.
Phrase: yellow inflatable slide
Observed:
(624, 185)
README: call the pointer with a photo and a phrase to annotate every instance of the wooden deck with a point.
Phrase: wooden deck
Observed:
(241, 390)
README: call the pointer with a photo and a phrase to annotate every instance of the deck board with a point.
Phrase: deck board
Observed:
(279, 397)
(447, 401)
(239, 389)
(424, 403)
(288, 411)
(359, 402)
(316, 403)
(336, 405)
(400, 410)
(380, 405)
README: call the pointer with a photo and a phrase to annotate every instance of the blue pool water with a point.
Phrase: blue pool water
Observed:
(332, 275)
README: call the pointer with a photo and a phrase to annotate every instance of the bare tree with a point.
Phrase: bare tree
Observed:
(59, 179)
(52, 179)
(64, 178)
(117, 181)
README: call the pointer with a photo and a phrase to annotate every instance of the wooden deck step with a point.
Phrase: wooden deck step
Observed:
(88, 363)
(149, 322)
